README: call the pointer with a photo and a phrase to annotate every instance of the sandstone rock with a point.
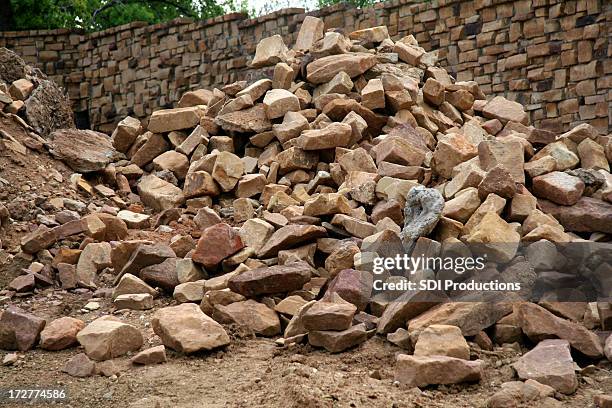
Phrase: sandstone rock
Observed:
(134, 220)
(270, 51)
(134, 301)
(333, 135)
(370, 35)
(329, 316)
(505, 110)
(255, 233)
(248, 120)
(278, 102)
(293, 125)
(586, 215)
(271, 280)
(549, 363)
(324, 69)
(94, 258)
(494, 237)
(174, 161)
(79, 366)
(130, 284)
(256, 316)
(509, 154)
(186, 329)
(290, 305)
(84, 151)
(353, 286)
(373, 94)
(107, 337)
(558, 187)
(442, 340)
(337, 341)
(216, 243)
(159, 194)
(60, 333)
(200, 183)
(21, 89)
(311, 31)
(420, 371)
(497, 181)
(189, 292)
(19, 330)
(228, 169)
(126, 133)
(325, 204)
(433, 92)
(290, 236)
(167, 120)
(539, 324)
(153, 355)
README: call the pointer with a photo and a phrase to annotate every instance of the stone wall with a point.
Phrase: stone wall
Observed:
(553, 56)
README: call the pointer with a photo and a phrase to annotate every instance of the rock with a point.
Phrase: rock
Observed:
(79, 366)
(200, 183)
(48, 108)
(162, 274)
(408, 53)
(558, 187)
(592, 155)
(370, 35)
(342, 258)
(353, 286)
(153, 355)
(94, 258)
(549, 363)
(442, 340)
(420, 371)
(421, 214)
(174, 161)
(505, 110)
(433, 92)
(329, 316)
(85, 151)
(23, 283)
(250, 185)
(125, 134)
(586, 215)
(134, 301)
(188, 271)
(107, 337)
(401, 338)
(167, 120)
(159, 194)
(278, 102)
(154, 145)
(271, 280)
(508, 154)
(293, 124)
(130, 284)
(255, 233)
(494, 238)
(290, 305)
(228, 169)
(216, 243)
(290, 236)
(21, 89)
(311, 31)
(327, 204)
(134, 220)
(189, 292)
(270, 51)
(337, 341)
(19, 330)
(470, 317)
(399, 150)
(497, 181)
(41, 238)
(248, 120)
(407, 306)
(186, 329)
(539, 324)
(333, 135)
(373, 94)
(61, 333)
(256, 316)
(324, 69)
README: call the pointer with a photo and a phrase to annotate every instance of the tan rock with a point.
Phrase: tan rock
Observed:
(420, 371)
(592, 155)
(199, 183)
(495, 238)
(433, 92)
(373, 94)
(558, 187)
(334, 135)
(442, 340)
(278, 102)
(256, 316)
(61, 333)
(228, 170)
(126, 133)
(186, 329)
(504, 110)
(107, 337)
(21, 89)
(167, 120)
(508, 154)
(269, 51)
(325, 204)
(353, 64)
(159, 194)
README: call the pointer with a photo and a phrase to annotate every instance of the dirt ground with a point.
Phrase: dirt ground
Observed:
(255, 372)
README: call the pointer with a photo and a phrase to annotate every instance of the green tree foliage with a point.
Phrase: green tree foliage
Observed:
(92, 15)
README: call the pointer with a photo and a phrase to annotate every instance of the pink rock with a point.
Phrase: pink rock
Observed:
(217, 243)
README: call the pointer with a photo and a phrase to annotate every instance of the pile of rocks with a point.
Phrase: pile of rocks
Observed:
(26, 91)
(280, 194)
